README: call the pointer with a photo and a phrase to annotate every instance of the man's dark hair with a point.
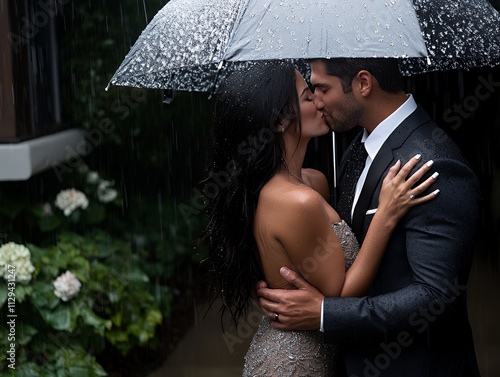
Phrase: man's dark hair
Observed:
(385, 70)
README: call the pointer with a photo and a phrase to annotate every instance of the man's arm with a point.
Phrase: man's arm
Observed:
(298, 309)
(439, 240)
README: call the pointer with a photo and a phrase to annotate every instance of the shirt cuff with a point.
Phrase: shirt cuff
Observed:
(321, 318)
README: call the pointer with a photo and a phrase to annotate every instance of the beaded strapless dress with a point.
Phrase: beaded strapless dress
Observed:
(297, 353)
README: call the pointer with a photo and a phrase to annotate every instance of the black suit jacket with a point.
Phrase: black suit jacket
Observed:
(414, 321)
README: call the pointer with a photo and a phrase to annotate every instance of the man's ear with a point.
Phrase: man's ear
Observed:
(364, 82)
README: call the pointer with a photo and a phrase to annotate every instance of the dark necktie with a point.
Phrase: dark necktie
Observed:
(355, 165)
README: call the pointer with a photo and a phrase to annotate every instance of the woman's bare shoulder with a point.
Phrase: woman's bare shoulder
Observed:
(318, 181)
(314, 174)
(291, 197)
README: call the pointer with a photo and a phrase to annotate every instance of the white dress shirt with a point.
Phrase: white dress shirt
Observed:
(373, 142)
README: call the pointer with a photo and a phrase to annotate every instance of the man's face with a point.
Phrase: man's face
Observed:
(341, 111)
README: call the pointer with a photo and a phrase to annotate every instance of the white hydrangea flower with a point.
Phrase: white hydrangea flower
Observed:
(92, 177)
(105, 194)
(19, 257)
(66, 286)
(69, 200)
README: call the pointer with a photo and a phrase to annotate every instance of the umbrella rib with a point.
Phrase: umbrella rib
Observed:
(235, 27)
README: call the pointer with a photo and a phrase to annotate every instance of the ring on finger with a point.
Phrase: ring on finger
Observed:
(412, 196)
(276, 317)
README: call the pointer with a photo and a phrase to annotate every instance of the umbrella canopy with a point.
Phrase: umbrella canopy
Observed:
(312, 29)
(459, 34)
(186, 44)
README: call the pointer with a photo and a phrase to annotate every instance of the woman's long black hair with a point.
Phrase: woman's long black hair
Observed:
(247, 151)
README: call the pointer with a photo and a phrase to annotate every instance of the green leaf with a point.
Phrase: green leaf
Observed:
(94, 214)
(80, 267)
(154, 318)
(93, 320)
(117, 319)
(44, 297)
(117, 337)
(74, 217)
(81, 370)
(99, 270)
(27, 332)
(95, 284)
(114, 296)
(49, 223)
(137, 275)
(62, 318)
(28, 369)
(38, 210)
(145, 329)
(3, 294)
(76, 363)
(22, 291)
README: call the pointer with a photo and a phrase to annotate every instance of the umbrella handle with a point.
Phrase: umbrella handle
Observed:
(334, 168)
(214, 86)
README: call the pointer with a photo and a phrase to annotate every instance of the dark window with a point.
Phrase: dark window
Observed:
(30, 101)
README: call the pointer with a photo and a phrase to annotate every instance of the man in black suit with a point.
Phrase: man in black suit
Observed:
(414, 321)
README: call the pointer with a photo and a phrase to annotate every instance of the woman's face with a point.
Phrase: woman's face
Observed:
(311, 119)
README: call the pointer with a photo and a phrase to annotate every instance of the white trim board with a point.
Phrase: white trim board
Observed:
(20, 161)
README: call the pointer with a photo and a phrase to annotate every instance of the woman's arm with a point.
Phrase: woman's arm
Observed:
(307, 236)
(394, 203)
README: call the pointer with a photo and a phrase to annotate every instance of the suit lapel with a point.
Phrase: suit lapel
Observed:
(382, 161)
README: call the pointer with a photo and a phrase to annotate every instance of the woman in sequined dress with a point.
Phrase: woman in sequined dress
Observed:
(269, 212)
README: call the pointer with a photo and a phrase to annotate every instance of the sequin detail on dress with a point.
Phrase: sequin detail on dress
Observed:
(348, 241)
(297, 353)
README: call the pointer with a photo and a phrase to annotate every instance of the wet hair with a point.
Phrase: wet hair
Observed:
(385, 70)
(247, 151)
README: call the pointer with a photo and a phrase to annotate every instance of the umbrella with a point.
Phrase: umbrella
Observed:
(459, 34)
(190, 42)
(187, 40)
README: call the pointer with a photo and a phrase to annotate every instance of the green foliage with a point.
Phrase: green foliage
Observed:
(117, 253)
(155, 147)
(124, 250)
(65, 362)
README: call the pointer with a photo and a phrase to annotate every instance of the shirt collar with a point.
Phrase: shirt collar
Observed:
(375, 140)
